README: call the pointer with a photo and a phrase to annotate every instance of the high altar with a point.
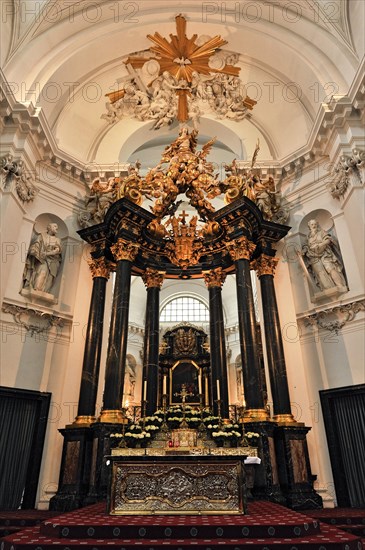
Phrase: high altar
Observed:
(163, 244)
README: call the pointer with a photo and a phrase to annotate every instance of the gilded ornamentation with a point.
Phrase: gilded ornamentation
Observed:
(177, 487)
(185, 342)
(152, 278)
(264, 265)
(215, 277)
(171, 79)
(333, 319)
(241, 249)
(99, 199)
(248, 183)
(102, 194)
(185, 248)
(183, 170)
(99, 267)
(124, 250)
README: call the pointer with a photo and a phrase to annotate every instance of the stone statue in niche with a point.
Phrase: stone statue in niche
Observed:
(323, 258)
(43, 261)
(130, 377)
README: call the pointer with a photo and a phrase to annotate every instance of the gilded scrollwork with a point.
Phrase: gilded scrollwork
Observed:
(99, 267)
(170, 81)
(184, 246)
(176, 487)
(240, 249)
(124, 250)
(264, 265)
(215, 278)
(152, 278)
(185, 342)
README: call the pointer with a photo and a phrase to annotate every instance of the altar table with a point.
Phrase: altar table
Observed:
(209, 484)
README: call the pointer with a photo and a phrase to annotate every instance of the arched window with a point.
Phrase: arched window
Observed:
(184, 308)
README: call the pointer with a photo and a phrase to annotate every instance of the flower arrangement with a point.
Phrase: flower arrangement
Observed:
(134, 436)
(230, 435)
(252, 438)
(154, 420)
(115, 440)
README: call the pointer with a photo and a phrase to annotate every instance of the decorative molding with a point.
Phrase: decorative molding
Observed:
(350, 170)
(99, 267)
(27, 317)
(135, 335)
(333, 319)
(15, 172)
(215, 278)
(124, 250)
(240, 249)
(264, 265)
(153, 278)
(233, 329)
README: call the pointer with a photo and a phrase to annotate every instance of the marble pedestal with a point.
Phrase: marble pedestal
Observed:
(267, 485)
(294, 470)
(75, 469)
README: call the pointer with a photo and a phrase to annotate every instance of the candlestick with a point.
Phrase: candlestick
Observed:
(144, 390)
(218, 391)
(164, 385)
(200, 383)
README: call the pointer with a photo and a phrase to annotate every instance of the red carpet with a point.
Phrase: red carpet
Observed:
(351, 520)
(267, 526)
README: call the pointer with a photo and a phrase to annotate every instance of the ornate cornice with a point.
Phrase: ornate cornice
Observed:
(26, 317)
(124, 250)
(215, 278)
(99, 267)
(264, 265)
(153, 278)
(334, 318)
(241, 249)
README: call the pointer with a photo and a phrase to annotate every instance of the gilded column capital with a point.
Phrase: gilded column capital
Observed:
(124, 250)
(215, 277)
(153, 278)
(264, 265)
(241, 249)
(99, 267)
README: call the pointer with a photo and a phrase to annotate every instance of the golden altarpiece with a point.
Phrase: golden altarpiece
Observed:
(165, 243)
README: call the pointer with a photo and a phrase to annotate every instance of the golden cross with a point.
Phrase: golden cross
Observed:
(182, 216)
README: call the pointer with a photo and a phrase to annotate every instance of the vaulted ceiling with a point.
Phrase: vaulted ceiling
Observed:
(64, 56)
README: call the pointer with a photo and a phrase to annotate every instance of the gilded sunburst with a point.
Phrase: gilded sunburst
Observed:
(181, 57)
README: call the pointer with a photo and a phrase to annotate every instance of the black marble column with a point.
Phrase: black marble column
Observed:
(124, 252)
(214, 280)
(94, 336)
(241, 251)
(265, 268)
(153, 281)
(77, 444)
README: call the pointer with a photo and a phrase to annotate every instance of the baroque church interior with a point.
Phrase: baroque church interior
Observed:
(182, 225)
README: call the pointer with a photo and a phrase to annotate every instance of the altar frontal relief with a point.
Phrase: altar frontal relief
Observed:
(177, 487)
